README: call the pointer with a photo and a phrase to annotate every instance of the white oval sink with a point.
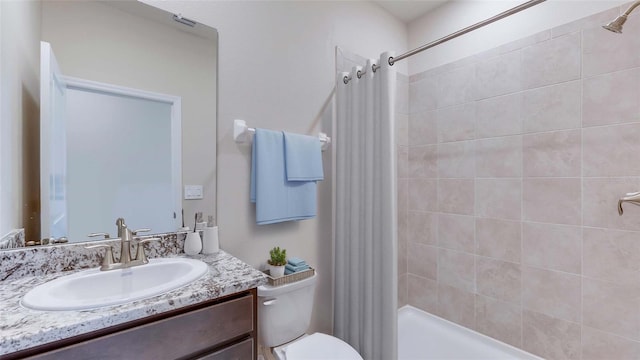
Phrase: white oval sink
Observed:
(94, 288)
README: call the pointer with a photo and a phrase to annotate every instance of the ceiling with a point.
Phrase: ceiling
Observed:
(409, 10)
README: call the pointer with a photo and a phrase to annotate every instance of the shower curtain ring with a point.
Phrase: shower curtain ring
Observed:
(390, 61)
(359, 74)
(346, 79)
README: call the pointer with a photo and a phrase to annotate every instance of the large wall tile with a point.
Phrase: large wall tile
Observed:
(423, 95)
(456, 305)
(550, 338)
(457, 123)
(402, 290)
(423, 195)
(552, 293)
(456, 86)
(605, 51)
(499, 157)
(598, 345)
(423, 128)
(552, 61)
(456, 269)
(498, 239)
(611, 150)
(456, 196)
(499, 116)
(553, 154)
(554, 107)
(612, 308)
(422, 260)
(456, 232)
(601, 203)
(403, 162)
(403, 199)
(612, 255)
(456, 159)
(552, 200)
(423, 227)
(499, 198)
(402, 129)
(500, 320)
(500, 75)
(499, 279)
(402, 94)
(553, 247)
(611, 98)
(403, 243)
(422, 293)
(423, 161)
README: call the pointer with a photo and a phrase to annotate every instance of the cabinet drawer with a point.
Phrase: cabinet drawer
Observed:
(169, 338)
(240, 351)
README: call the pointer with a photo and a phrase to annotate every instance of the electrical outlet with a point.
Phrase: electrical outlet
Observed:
(193, 192)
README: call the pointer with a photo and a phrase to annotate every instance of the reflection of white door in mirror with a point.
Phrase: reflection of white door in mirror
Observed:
(53, 169)
(104, 127)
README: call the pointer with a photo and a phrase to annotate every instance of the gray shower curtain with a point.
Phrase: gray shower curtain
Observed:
(365, 249)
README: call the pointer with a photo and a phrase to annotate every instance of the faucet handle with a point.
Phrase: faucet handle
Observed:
(140, 254)
(106, 235)
(633, 198)
(135, 232)
(107, 260)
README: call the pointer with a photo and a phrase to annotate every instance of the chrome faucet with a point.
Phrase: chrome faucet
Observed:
(633, 198)
(126, 237)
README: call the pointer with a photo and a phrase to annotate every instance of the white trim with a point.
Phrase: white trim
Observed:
(82, 84)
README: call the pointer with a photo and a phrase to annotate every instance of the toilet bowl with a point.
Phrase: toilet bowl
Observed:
(284, 314)
(317, 346)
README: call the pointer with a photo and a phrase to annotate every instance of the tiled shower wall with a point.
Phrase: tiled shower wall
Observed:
(509, 176)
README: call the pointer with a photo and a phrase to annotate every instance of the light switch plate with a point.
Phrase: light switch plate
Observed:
(193, 192)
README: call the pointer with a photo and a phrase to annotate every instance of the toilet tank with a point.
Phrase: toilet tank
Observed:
(284, 312)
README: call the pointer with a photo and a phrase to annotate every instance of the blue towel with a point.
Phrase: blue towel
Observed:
(294, 261)
(277, 199)
(303, 157)
(295, 268)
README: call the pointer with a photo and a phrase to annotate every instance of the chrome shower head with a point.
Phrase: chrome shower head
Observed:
(616, 25)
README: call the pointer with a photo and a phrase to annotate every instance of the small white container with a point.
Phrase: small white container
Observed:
(192, 244)
(210, 242)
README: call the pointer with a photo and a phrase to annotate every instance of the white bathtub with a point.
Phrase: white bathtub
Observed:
(425, 336)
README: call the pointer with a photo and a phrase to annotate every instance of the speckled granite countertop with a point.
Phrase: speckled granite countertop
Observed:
(22, 328)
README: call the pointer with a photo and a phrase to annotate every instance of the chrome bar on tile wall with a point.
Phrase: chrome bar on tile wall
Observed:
(392, 60)
(502, 15)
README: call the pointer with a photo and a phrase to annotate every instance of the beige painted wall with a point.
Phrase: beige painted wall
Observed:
(19, 111)
(142, 53)
(277, 71)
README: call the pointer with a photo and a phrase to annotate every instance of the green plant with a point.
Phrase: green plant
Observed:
(278, 257)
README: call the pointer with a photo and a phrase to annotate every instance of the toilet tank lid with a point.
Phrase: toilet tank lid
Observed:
(320, 346)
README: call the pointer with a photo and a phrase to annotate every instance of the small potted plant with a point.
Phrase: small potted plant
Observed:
(277, 262)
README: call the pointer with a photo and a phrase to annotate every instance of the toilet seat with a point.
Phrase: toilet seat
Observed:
(317, 346)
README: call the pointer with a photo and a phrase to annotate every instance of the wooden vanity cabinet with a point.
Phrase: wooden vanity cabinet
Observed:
(222, 329)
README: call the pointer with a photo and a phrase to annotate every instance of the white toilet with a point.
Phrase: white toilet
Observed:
(284, 313)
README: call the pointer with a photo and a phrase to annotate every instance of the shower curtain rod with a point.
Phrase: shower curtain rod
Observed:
(392, 60)
(502, 15)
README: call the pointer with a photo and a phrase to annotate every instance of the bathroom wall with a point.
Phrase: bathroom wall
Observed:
(19, 111)
(455, 15)
(277, 71)
(516, 159)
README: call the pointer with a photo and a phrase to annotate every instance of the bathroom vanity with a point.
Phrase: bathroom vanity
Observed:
(213, 317)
